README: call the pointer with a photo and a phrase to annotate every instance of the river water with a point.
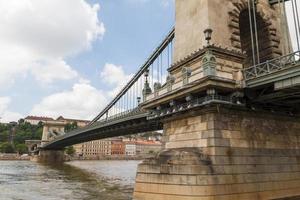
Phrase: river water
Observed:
(76, 180)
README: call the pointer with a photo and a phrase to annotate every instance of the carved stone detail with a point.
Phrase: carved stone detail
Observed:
(266, 13)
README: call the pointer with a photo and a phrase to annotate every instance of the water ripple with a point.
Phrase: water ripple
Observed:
(79, 180)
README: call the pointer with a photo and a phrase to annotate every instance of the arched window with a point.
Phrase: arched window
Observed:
(265, 50)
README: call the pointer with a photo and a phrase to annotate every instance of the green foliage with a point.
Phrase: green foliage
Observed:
(6, 147)
(22, 131)
(21, 121)
(70, 127)
(26, 131)
(70, 150)
(21, 148)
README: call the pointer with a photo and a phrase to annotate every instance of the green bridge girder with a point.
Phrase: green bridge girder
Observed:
(276, 81)
(291, 71)
(271, 71)
(272, 2)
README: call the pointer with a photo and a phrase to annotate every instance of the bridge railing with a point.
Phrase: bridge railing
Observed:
(196, 102)
(271, 66)
(121, 115)
(151, 73)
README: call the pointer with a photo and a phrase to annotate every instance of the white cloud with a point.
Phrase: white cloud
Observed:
(83, 101)
(5, 114)
(48, 71)
(36, 36)
(115, 76)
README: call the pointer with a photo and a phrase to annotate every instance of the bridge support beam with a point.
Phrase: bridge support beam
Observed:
(50, 157)
(224, 153)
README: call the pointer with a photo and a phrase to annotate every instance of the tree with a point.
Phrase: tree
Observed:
(70, 127)
(70, 150)
(4, 135)
(23, 131)
(21, 121)
(6, 147)
(40, 124)
(21, 148)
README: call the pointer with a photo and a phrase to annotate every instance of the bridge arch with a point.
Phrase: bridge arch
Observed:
(33, 147)
(268, 39)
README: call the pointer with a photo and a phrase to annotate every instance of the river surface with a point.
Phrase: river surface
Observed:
(76, 180)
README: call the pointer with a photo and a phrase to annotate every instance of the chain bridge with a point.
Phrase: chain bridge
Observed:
(223, 85)
(269, 83)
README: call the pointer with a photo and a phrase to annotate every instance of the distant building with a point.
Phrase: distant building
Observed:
(80, 122)
(117, 147)
(94, 148)
(34, 120)
(130, 148)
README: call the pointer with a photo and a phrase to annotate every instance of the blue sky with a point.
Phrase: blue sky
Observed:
(64, 57)
(70, 57)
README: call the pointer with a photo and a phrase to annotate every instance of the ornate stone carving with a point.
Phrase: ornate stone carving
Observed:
(209, 64)
(268, 16)
(186, 73)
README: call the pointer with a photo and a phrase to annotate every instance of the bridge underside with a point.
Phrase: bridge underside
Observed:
(287, 98)
(275, 84)
(100, 130)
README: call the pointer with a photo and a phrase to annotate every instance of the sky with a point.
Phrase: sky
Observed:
(69, 57)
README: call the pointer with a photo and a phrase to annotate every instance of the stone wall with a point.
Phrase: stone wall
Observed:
(225, 154)
(54, 157)
(223, 17)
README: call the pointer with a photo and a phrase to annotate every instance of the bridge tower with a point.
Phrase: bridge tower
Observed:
(218, 144)
(51, 129)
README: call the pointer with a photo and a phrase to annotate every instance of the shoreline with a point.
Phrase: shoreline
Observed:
(107, 158)
(17, 157)
(13, 157)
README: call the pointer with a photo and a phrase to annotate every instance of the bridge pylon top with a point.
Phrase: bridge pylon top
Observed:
(245, 33)
(229, 21)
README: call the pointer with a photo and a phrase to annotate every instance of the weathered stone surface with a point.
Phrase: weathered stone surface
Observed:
(222, 153)
(194, 16)
(54, 157)
(242, 155)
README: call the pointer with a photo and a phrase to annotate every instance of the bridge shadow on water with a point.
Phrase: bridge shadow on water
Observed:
(92, 185)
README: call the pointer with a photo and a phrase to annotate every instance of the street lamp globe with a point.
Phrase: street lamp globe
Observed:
(208, 33)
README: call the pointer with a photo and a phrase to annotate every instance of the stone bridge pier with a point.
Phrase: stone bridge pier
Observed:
(51, 157)
(219, 146)
(222, 153)
(51, 130)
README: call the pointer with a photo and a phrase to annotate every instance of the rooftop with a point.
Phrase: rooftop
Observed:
(38, 118)
(69, 119)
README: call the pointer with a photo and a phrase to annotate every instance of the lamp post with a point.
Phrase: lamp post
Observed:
(146, 74)
(208, 33)
(138, 100)
(146, 90)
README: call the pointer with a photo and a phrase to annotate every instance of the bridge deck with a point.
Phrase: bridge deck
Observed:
(134, 122)
(272, 71)
(276, 81)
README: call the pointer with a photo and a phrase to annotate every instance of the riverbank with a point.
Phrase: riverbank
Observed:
(13, 156)
(118, 157)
